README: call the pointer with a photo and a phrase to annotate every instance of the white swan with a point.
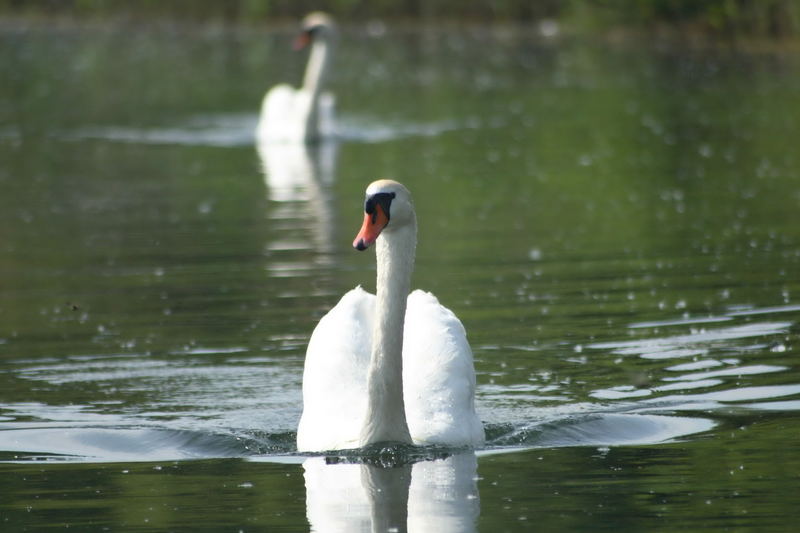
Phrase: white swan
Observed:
(304, 114)
(393, 366)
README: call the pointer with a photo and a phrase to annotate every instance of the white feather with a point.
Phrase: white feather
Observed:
(438, 375)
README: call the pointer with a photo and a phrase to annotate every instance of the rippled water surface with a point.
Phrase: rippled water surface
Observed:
(616, 225)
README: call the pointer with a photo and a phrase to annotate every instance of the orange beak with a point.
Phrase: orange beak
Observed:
(372, 227)
(302, 40)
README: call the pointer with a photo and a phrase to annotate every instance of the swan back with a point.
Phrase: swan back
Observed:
(438, 375)
(282, 112)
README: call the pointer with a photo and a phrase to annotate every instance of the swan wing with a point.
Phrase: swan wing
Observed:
(334, 376)
(438, 375)
(284, 115)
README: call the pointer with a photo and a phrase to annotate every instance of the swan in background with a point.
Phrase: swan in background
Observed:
(390, 367)
(304, 114)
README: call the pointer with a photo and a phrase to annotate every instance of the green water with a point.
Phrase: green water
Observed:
(615, 224)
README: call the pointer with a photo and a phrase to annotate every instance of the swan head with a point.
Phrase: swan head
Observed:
(386, 201)
(316, 25)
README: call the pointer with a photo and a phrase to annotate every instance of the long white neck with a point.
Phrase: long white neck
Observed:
(316, 68)
(386, 416)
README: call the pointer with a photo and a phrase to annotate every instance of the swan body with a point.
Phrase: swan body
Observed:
(392, 366)
(303, 114)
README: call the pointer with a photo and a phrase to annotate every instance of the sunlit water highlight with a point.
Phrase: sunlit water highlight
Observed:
(228, 130)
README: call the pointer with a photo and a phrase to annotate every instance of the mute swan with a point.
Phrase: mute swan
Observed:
(304, 114)
(392, 366)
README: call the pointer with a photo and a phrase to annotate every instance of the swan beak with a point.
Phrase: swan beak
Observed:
(302, 40)
(373, 225)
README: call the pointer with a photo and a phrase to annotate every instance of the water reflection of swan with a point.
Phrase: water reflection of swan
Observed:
(375, 373)
(438, 496)
(298, 172)
(304, 114)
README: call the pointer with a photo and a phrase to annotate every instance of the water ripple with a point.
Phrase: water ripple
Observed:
(694, 343)
(237, 129)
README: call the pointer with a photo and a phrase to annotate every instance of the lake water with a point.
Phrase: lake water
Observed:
(616, 224)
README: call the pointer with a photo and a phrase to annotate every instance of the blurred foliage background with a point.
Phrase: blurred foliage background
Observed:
(733, 18)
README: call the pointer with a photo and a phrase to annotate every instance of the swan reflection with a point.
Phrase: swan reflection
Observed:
(302, 173)
(296, 171)
(437, 495)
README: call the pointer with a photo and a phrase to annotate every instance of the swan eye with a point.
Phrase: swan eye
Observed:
(383, 199)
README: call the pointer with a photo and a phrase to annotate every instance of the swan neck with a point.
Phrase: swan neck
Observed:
(386, 418)
(316, 68)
